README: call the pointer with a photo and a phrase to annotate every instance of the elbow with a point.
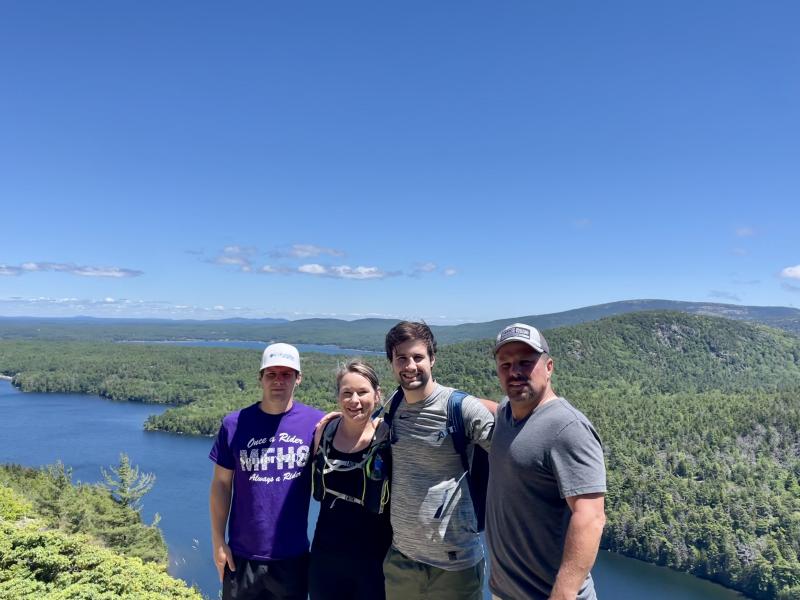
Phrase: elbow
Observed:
(600, 522)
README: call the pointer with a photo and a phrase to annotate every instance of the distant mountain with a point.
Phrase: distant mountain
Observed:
(366, 334)
(133, 320)
(654, 352)
(779, 317)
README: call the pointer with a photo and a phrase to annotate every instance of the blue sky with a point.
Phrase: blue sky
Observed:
(452, 161)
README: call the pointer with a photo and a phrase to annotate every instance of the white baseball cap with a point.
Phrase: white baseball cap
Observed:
(519, 332)
(280, 355)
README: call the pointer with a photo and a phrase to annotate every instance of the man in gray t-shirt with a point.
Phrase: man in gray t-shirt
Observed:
(436, 550)
(545, 506)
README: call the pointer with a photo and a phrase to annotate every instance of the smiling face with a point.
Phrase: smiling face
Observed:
(357, 398)
(277, 385)
(412, 368)
(524, 376)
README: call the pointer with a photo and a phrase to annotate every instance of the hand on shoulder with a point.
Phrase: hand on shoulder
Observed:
(320, 427)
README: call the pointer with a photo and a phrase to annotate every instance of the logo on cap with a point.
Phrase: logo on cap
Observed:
(519, 332)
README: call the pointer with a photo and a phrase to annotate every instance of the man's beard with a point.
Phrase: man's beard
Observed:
(523, 393)
(417, 383)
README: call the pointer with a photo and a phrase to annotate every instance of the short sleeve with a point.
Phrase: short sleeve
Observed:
(221, 450)
(577, 460)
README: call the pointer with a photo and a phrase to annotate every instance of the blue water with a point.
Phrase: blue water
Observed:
(87, 432)
(320, 348)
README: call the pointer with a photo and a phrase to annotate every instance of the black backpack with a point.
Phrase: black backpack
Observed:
(478, 471)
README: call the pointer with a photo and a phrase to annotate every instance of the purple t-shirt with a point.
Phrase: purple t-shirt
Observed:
(269, 455)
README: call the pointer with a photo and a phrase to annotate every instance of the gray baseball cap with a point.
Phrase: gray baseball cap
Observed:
(519, 332)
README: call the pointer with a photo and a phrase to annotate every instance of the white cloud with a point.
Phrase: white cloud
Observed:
(449, 272)
(104, 272)
(236, 256)
(241, 258)
(745, 232)
(306, 251)
(791, 272)
(231, 260)
(423, 267)
(9, 270)
(346, 272)
(70, 268)
(313, 269)
(269, 269)
(581, 223)
(236, 249)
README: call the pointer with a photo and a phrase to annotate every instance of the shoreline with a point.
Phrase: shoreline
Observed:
(6, 378)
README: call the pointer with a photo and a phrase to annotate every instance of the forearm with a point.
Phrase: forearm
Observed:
(219, 503)
(580, 551)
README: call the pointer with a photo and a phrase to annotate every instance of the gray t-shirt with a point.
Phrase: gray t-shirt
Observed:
(431, 508)
(534, 464)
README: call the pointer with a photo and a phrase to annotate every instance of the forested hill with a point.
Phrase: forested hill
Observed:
(648, 353)
(699, 416)
(367, 334)
(653, 352)
(777, 317)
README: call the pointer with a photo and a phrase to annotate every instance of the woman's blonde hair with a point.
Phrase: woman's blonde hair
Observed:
(359, 367)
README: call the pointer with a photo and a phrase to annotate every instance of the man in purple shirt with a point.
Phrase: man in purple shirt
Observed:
(262, 485)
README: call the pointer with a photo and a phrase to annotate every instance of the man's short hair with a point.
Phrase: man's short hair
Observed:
(405, 331)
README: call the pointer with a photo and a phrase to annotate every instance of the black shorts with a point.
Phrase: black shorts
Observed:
(285, 579)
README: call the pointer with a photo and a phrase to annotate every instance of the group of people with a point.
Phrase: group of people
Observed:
(397, 518)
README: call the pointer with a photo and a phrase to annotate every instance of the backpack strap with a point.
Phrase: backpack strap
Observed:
(388, 417)
(327, 434)
(456, 428)
(476, 471)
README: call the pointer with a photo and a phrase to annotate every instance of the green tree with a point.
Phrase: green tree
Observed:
(126, 484)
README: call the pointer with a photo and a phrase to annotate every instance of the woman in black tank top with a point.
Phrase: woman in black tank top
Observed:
(351, 465)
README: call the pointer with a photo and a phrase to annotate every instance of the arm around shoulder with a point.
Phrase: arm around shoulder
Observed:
(490, 405)
(320, 427)
(478, 415)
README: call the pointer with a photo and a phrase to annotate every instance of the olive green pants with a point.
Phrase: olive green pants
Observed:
(407, 579)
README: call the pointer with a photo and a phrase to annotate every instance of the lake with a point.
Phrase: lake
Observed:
(87, 432)
(302, 348)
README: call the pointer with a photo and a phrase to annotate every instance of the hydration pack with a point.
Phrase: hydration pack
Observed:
(476, 470)
(375, 467)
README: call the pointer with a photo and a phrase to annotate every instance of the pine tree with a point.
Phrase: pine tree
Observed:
(126, 484)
